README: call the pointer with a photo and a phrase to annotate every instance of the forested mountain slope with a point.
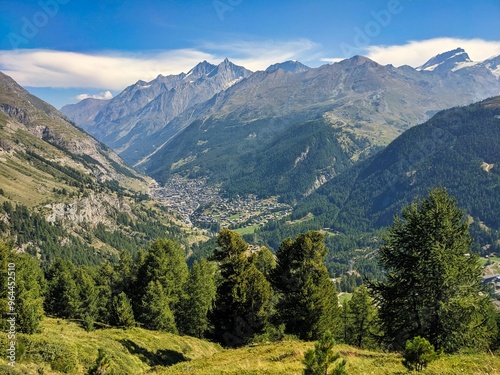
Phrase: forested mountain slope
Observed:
(63, 193)
(457, 148)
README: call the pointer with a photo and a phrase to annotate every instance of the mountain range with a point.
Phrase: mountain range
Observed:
(190, 123)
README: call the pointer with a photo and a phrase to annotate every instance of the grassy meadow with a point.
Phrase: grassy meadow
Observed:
(64, 348)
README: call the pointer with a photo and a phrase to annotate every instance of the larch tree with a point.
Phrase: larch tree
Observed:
(198, 299)
(433, 284)
(308, 304)
(361, 317)
(243, 295)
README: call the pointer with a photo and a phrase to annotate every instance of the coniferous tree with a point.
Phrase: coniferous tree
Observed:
(164, 263)
(29, 290)
(62, 299)
(105, 280)
(361, 318)
(5, 251)
(320, 360)
(308, 304)
(88, 298)
(265, 262)
(124, 314)
(243, 294)
(418, 354)
(156, 312)
(433, 286)
(198, 299)
(27, 282)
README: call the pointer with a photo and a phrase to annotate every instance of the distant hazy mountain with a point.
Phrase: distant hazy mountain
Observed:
(146, 107)
(293, 66)
(367, 104)
(457, 148)
(84, 112)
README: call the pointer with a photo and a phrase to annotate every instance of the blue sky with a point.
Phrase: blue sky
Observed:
(64, 49)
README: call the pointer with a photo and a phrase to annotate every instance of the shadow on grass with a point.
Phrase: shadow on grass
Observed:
(163, 357)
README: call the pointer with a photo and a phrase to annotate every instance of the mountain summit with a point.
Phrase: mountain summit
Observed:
(146, 107)
(446, 61)
(293, 66)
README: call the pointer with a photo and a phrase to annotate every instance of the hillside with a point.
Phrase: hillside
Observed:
(65, 194)
(63, 347)
(457, 149)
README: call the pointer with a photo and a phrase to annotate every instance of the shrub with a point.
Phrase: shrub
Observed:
(418, 353)
(319, 360)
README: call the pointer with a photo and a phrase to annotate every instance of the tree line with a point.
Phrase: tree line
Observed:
(432, 289)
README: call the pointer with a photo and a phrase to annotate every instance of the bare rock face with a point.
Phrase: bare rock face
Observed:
(91, 210)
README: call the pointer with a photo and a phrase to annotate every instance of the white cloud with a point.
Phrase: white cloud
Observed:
(416, 53)
(101, 95)
(116, 70)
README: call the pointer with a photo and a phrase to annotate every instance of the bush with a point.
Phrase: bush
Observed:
(319, 360)
(61, 356)
(418, 353)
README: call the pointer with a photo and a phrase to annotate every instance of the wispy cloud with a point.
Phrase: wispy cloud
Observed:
(258, 55)
(115, 70)
(101, 95)
(415, 53)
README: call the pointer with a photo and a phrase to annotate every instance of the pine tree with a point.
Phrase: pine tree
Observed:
(198, 299)
(164, 263)
(62, 299)
(29, 286)
(26, 277)
(88, 298)
(105, 285)
(308, 304)
(319, 360)
(418, 354)
(433, 286)
(124, 315)
(265, 262)
(156, 312)
(361, 318)
(243, 295)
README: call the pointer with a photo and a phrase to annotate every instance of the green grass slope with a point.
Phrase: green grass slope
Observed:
(64, 348)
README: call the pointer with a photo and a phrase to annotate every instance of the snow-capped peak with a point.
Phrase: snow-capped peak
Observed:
(446, 61)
